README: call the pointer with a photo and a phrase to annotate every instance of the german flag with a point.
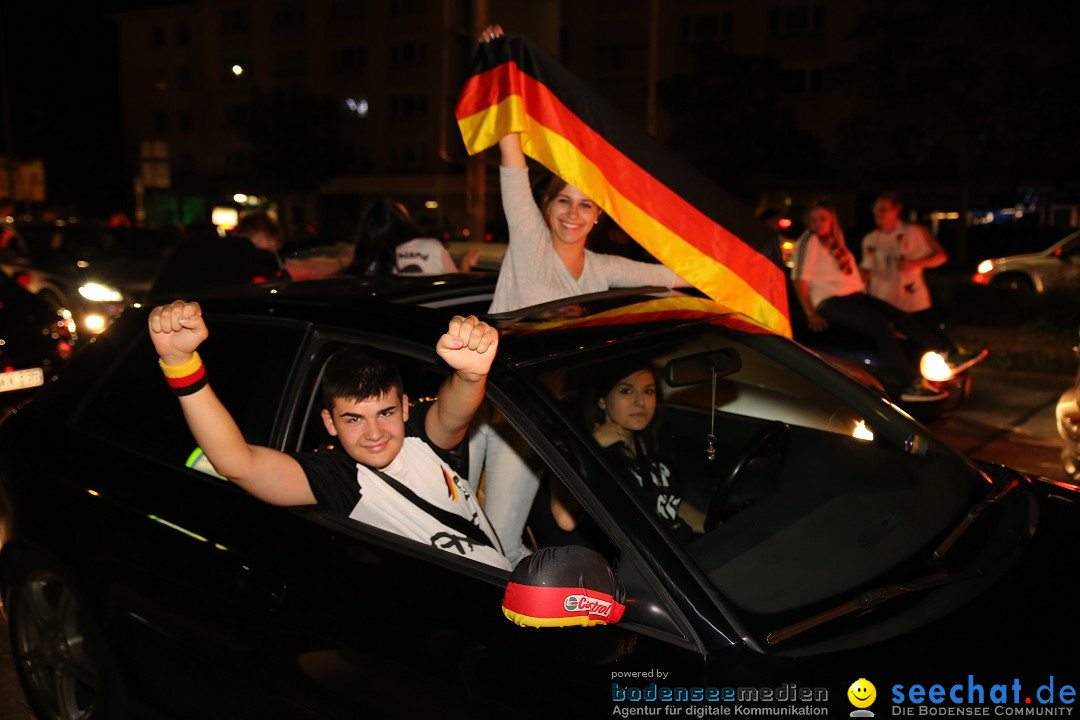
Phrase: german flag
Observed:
(682, 218)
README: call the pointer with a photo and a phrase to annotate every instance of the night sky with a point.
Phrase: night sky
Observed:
(62, 94)
(63, 99)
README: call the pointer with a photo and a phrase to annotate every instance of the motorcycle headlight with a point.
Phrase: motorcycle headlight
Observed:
(934, 368)
(96, 292)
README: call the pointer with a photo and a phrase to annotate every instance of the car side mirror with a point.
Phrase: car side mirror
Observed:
(701, 367)
(564, 586)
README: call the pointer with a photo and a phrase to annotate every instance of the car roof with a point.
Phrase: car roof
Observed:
(420, 307)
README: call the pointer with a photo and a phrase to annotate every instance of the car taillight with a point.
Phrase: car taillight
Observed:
(63, 350)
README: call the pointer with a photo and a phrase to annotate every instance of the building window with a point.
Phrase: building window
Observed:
(161, 122)
(347, 10)
(408, 7)
(236, 20)
(408, 106)
(705, 27)
(185, 161)
(347, 58)
(795, 19)
(407, 155)
(290, 63)
(289, 14)
(236, 159)
(157, 37)
(185, 121)
(182, 34)
(800, 81)
(408, 53)
(183, 77)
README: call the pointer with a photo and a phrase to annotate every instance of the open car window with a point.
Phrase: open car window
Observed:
(788, 525)
(249, 363)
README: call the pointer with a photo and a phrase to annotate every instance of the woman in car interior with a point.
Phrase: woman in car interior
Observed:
(621, 408)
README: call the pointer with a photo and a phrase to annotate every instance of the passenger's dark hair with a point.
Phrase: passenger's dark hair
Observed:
(383, 226)
(257, 222)
(601, 381)
(358, 372)
(892, 198)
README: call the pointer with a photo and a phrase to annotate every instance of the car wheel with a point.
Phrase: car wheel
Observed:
(60, 656)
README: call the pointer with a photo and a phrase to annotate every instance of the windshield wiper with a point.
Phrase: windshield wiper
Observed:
(868, 599)
(972, 515)
(872, 598)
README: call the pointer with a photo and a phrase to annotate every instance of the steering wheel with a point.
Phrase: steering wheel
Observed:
(740, 489)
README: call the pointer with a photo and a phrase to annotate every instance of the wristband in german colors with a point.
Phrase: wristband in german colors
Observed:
(186, 378)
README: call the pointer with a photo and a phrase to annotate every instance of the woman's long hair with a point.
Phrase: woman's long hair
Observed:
(827, 206)
(383, 227)
(601, 382)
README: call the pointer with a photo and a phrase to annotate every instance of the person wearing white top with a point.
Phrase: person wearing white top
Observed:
(389, 242)
(831, 291)
(545, 260)
(894, 256)
(377, 469)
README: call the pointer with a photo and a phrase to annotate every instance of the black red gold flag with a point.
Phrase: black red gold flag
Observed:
(682, 218)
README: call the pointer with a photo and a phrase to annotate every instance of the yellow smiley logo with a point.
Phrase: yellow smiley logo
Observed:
(862, 693)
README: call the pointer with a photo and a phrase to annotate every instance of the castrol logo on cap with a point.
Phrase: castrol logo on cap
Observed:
(584, 603)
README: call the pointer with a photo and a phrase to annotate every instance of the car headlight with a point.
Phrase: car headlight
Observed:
(934, 368)
(985, 266)
(95, 323)
(96, 292)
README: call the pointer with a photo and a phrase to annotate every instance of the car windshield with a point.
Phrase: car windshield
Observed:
(817, 486)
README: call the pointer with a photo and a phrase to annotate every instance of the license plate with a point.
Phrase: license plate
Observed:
(21, 379)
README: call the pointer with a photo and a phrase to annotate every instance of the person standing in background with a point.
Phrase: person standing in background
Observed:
(894, 257)
(389, 242)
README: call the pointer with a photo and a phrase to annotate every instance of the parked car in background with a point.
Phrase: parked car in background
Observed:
(1068, 425)
(91, 270)
(35, 342)
(1056, 266)
(841, 538)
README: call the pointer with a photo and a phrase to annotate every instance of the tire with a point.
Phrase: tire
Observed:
(60, 655)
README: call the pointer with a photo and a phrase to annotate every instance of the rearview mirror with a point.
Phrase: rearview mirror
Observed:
(700, 367)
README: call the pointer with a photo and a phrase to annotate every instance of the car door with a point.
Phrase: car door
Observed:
(356, 619)
(153, 547)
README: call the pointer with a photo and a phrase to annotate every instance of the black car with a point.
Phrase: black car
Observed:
(843, 541)
(92, 271)
(35, 342)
